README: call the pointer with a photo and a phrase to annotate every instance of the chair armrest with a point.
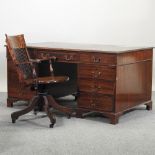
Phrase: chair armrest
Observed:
(35, 60)
(44, 59)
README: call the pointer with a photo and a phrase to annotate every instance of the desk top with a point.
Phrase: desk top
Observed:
(85, 47)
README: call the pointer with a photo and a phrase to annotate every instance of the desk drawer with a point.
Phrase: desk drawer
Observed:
(61, 56)
(98, 58)
(97, 72)
(107, 73)
(96, 86)
(86, 70)
(105, 103)
(96, 102)
(69, 57)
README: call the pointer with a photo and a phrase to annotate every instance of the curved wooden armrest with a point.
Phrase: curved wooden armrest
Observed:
(35, 60)
(44, 59)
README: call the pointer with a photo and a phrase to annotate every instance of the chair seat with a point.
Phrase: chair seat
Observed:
(48, 79)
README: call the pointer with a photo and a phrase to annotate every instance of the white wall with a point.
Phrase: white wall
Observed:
(124, 22)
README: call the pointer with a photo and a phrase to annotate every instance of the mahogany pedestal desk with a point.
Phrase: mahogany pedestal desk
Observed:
(109, 79)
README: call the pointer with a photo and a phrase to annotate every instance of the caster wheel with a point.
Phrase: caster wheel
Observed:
(35, 113)
(69, 116)
(13, 121)
(148, 107)
(52, 124)
(83, 117)
(79, 116)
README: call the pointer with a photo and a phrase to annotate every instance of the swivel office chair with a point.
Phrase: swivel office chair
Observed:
(27, 74)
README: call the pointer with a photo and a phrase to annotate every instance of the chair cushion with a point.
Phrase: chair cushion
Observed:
(48, 79)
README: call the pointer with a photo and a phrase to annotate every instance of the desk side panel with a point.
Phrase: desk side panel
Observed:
(134, 80)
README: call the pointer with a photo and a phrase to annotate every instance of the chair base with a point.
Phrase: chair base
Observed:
(49, 102)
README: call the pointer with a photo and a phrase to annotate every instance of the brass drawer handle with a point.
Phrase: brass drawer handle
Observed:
(96, 60)
(95, 86)
(93, 105)
(99, 73)
(95, 76)
(99, 87)
(45, 55)
(68, 57)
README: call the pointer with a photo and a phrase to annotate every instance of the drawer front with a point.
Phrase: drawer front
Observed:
(85, 57)
(61, 56)
(97, 72)
(86, 71)
(96, 102)
(105, 103)
(104, 87)
(85, 100)
(70, 57)
(107, 73)
(47, 54)
(96, 86)
(98, 58)
(86, 85)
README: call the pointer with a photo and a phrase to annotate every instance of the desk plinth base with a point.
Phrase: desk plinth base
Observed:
(114, 117)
